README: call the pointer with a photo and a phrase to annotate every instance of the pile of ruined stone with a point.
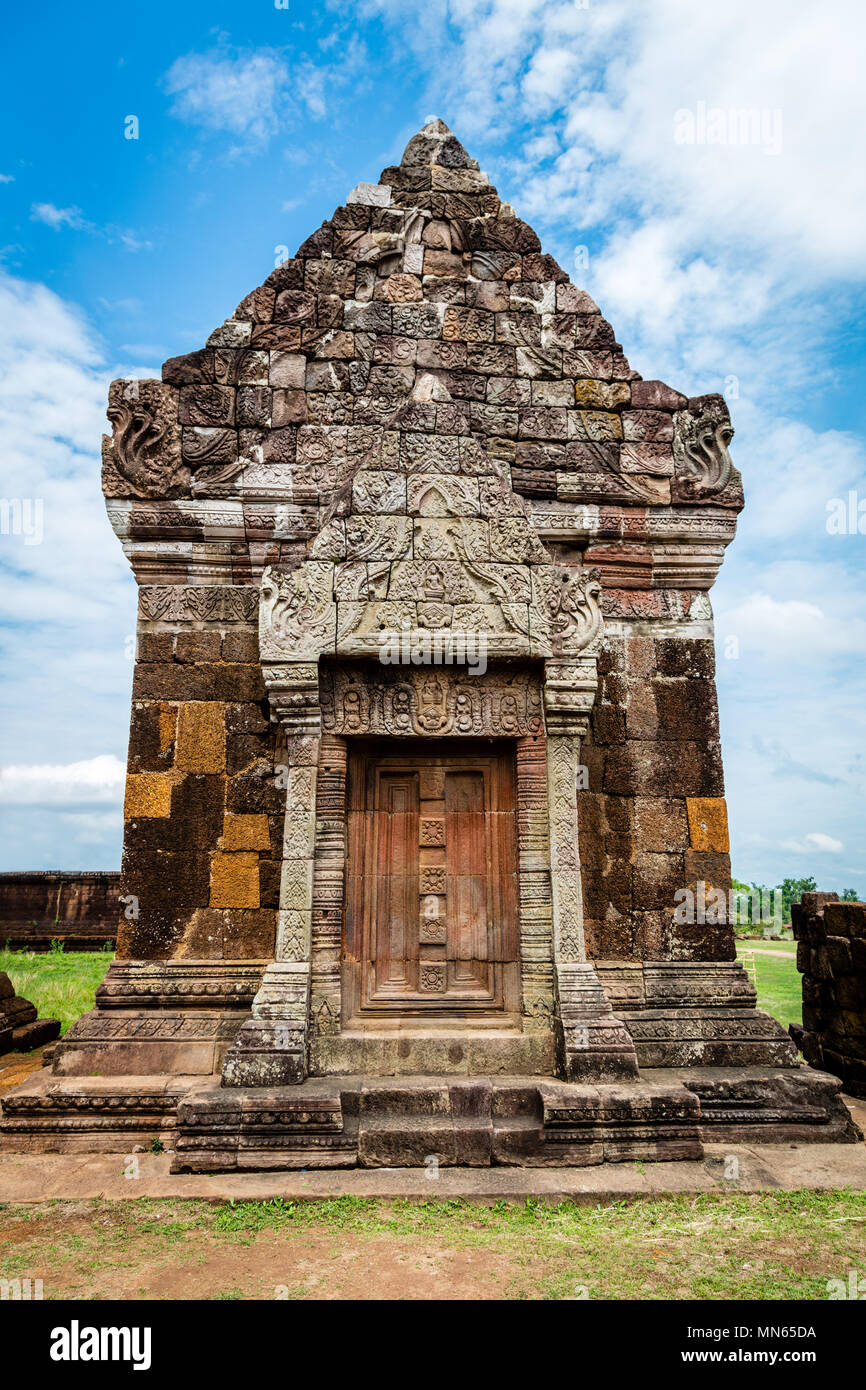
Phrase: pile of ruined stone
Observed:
(831, 956)
(20, 1027)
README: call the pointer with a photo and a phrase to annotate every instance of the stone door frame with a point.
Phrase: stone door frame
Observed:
(300, 997)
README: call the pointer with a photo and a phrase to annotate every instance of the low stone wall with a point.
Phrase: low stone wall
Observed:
(831, 956)
(82, 909)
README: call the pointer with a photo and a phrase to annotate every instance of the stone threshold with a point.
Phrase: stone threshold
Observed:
(33, 1178)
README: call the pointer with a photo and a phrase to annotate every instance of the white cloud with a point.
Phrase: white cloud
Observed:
(791, 630)
(72, 217)
(241, 94)
(58, 217)
(94, 781)
(253, 93)
(613, 76)
(68, 604)
(816, 841)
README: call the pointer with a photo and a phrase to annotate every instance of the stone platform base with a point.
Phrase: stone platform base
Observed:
(353, 1121)
(765, 1105)
(93, 1114)
(429, 1121)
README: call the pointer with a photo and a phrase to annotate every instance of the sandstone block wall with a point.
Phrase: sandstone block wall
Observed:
(80, 909)
(831, 956)
(653, 819)
(203, 813)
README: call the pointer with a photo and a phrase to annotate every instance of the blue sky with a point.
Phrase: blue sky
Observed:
(735, 266)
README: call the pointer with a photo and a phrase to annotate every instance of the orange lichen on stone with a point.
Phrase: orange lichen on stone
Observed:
(148, 794)
(201, 736)
(234, 880)
(708, 824)
(245, 832)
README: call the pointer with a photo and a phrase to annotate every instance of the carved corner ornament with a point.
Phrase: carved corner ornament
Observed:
(576, 621)
(143, 456)
(297, 612)
(576, 632)
(702, 461)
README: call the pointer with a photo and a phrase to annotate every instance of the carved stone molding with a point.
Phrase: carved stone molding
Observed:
(179, 603)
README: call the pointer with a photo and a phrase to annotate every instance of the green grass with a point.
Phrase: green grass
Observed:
(62, 984)
(780, 988)
(768, 1245)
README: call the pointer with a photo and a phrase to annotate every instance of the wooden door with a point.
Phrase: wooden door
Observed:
(431, 909)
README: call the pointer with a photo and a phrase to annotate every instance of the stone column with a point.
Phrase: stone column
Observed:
(271, 1047)
(592, 1045)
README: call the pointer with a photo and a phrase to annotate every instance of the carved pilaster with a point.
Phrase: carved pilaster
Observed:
(328, 886)
(536, 901)
(271, 1047)
(592, 1044)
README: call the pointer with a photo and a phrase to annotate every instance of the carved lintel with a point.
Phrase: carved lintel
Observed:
(410, 701)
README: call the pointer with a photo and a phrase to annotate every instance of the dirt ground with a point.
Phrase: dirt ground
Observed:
(764, 1245)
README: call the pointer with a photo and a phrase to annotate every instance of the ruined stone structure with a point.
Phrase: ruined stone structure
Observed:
(79, 909)
(21, 1029)
(382, 906)
(831, 956)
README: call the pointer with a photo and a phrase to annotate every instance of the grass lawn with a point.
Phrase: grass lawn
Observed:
(62, 984)
(779, 981)
(779, 1245)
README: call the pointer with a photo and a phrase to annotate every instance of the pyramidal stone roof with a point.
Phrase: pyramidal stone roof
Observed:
(395, 407)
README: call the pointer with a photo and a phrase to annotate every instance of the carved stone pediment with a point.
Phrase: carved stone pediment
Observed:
(424, 534)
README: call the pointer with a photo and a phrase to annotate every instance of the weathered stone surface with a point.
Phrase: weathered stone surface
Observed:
(338, 478)
(80, 909)
(831, 956)
(20, 1029)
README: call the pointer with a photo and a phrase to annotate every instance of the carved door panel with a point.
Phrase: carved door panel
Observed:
(431, 908)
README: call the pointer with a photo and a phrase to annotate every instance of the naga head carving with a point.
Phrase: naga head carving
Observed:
(143, 457)
(576, 620)
(702, 433)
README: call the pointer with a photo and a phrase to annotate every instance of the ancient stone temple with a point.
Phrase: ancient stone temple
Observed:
(425, 831)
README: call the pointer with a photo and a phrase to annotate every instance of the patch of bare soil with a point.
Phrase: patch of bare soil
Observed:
(328, 1264)
(15, 1067)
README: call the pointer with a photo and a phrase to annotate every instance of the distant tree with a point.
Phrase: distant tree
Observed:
(850, 896)
(793, 890)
